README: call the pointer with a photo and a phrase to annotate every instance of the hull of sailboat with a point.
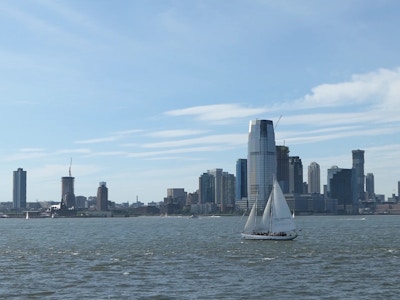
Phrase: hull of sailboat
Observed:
(287, 237)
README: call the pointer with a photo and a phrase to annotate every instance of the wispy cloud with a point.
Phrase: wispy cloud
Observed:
(175, 133)
(158, 154)
(118, 135)
(218, 112)
(221, 139)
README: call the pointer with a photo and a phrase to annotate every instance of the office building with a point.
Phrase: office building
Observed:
(358, 173)
(19, 189)
(282, 168)
(241, 179)
(341, 189)
(102, 197)
(314, 178)
(217, 187)
(67, 191)
(370, 186)
(261, 161)
(295, 175)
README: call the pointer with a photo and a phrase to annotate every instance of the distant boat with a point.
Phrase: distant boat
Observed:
(277, 222)
(27, 215)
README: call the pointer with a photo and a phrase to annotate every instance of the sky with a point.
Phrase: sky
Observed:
(149, 95)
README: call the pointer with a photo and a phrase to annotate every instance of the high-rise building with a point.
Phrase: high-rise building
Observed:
(314, 178)
(332, 171)
(282, 168)
(398, 189)
(358, 178)
(241, 179)
(217, 187)
(295, 175)
(341, 188)
(370, 186)
(206, 188)
(261, 161)
(67, 191)
(102, 197)
(19, 189)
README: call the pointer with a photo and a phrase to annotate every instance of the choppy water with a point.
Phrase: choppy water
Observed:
(204, 258)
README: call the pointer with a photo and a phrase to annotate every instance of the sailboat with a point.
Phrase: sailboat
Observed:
(27, 216)
(277, 222)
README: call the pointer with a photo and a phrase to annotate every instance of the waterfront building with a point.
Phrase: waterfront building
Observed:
(241, 179)
(282, 167)
(67, 191)
(218, 187)
(332, 171)
(370, 186)
(358, 176)
(261, 161)
(341, 189)
(295, 175)
(102, 197)
(19, 189)
(314, 178)
(206, 188)
(176, 196)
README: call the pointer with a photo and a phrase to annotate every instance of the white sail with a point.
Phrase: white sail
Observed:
(266, 218)
(282, 219)
(251, 220)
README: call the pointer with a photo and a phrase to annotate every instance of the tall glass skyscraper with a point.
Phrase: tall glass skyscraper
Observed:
(261, 161)
(19, 188)
(314, 178)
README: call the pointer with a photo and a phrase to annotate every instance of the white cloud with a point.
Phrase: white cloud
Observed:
(218, 112)
(175, 133)
(381, 88)
(223, 139)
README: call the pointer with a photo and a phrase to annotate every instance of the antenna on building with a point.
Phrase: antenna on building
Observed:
(70, 164)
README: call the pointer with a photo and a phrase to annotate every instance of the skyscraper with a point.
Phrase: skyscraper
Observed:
(341, 189)
(102, 196)
(370, 186)
(282, 172)
(241, 179)
(19, 189)
(67, 191)
(261, 161)
(217, 187)
(314, 178)
(295, 175)
(358, 178)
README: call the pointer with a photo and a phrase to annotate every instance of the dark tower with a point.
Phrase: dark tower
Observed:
(282, 167)
(102, 197)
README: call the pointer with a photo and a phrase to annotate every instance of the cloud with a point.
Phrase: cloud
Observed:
(218, 112)
(111, 138)
(380, 88)
(223, 139)
(175, 133)
(158, 154)
(99, 140)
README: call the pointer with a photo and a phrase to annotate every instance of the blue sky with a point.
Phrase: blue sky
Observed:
(148, 95)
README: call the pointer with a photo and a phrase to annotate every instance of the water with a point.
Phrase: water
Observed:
(336, 257)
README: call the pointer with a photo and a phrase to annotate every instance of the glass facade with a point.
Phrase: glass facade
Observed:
(261, 161)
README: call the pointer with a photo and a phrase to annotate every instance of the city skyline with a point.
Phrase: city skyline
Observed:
(148, 95)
